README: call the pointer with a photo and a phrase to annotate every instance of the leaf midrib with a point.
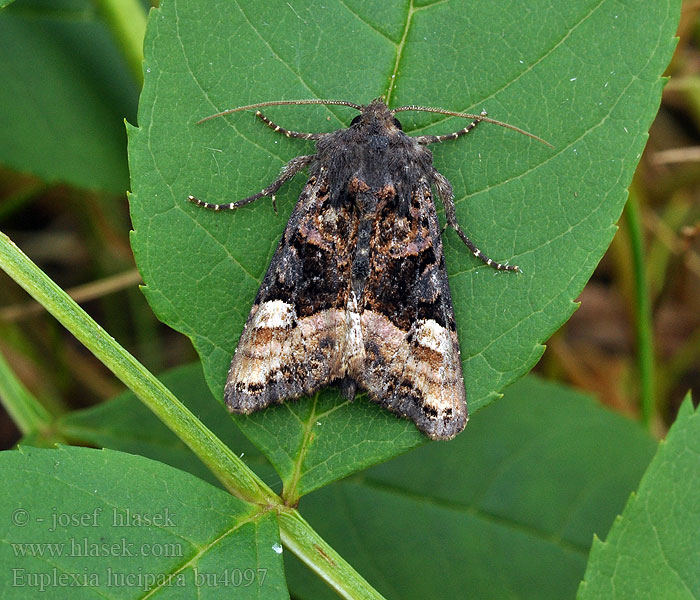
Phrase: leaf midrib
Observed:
(471, 509)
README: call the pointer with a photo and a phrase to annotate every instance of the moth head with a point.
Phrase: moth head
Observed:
(377, 116)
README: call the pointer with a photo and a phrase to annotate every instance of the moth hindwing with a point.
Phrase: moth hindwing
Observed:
(357, 291)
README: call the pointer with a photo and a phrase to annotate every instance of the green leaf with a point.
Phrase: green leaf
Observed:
(586, 77)
(75, 523)
(125, 424)
(313, 443)
(652, 549)
(65, 94)
(507, 511)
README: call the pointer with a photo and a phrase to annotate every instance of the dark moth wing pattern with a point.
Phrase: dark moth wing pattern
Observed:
(357, 291)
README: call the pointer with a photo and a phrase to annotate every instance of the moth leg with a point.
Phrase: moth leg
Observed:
(288, 171)
(431, 139)
(289, 134)
(444, 191)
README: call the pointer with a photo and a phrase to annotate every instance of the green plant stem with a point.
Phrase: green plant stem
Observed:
(316, 554)
(296, 533)
(24, 409)
(227, 467)
(643, 319)
(126, 20)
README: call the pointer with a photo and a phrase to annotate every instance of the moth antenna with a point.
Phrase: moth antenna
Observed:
(279, 103)
(450, 113)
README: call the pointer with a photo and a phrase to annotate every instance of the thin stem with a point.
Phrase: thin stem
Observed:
(227, 467)
(643, 317)
(316, 554)
(81, 294)
(26, 411)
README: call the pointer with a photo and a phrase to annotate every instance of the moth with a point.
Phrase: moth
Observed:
(357, 292)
